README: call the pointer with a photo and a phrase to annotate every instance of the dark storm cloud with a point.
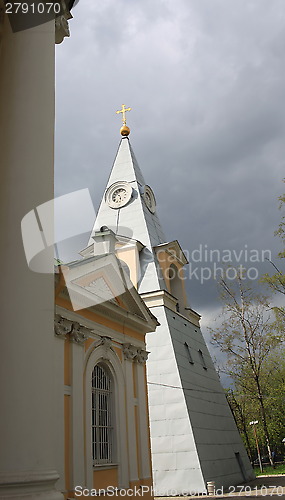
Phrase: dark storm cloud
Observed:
(206, 83)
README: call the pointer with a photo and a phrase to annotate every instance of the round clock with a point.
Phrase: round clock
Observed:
(149, 199)
(118, 194)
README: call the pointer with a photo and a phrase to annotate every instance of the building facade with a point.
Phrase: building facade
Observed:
(103, 441)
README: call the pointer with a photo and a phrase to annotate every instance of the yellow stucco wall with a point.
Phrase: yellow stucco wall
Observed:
(105, 477)
(102, 477)
(129, 256)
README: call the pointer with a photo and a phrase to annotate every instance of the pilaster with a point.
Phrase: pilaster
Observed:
(134, 354)
(129, 353)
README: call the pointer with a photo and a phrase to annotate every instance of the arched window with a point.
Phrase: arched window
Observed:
(102, 416)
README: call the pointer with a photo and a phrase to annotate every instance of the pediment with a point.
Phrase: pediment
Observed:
(103, 282)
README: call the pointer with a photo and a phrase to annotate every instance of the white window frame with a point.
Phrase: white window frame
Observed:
(94, 355)
(103, 417)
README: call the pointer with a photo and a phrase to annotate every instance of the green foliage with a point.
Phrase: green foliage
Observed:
(253, 345)
(251, 335)
(244, 403)
(276, 281)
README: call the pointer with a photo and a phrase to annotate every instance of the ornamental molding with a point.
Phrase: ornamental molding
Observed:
(106, 343)
(129, 351)
(142, 356)
(72, 330)
(61, 23)
(133, 353)
(118, 194)
(149, 199)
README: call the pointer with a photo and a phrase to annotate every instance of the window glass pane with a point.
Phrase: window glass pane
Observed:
(102, 428)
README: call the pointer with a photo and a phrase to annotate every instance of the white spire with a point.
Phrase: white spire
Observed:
(135, 218)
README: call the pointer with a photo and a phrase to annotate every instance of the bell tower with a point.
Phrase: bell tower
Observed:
(194, 438)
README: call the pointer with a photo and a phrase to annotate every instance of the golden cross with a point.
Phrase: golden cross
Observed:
(123, 110)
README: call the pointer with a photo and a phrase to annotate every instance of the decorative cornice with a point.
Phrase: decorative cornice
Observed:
(72, 330)
(133, 353)
(61, 23)
(164, 298)
(160, 298)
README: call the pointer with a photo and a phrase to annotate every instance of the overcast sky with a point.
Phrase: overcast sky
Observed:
(205, 80)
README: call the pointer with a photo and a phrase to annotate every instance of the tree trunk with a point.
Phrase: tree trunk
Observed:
(264, 423)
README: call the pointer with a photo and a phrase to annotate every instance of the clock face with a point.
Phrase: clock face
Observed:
(149, 199)
(118, 194)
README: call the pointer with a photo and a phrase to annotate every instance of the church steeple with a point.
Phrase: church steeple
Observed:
(194, 437)
(128, 208)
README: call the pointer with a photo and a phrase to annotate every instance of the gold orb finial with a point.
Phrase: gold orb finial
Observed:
(125, 131)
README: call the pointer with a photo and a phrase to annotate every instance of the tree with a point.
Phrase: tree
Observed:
(276, 281)
(273, 383)
(246, 408)
(240, 412)
(247, 336)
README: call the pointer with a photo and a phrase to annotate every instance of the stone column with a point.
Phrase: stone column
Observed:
(27, 425)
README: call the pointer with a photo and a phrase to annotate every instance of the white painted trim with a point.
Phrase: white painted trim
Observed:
(160, 298)
(164, 298)
(77, 405)
(143, 422)
(131, 420)
(112, 361)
